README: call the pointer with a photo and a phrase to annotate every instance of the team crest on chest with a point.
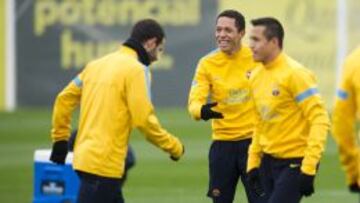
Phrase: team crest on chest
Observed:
(275, 91)
(248, 74)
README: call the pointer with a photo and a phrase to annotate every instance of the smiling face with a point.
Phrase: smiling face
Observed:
(227, 35)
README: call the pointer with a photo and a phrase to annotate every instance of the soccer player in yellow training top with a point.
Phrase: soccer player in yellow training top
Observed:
(346, 112)
(223, 76)
(114, 96)
(292, 122)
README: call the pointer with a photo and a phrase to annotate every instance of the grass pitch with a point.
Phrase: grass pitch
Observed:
(155, 178)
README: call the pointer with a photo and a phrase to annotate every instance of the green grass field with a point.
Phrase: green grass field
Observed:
(155, 179)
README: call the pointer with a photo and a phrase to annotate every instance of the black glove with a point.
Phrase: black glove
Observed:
(59, 152)
(306, 183)
(177, 158)
(253, 178)
(207, 113)
(354, 187)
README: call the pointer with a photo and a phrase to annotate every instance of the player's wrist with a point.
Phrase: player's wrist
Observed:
(308, 169)
(177, 154)
(253, 162)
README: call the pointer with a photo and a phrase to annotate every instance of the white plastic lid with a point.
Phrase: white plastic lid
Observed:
(43, 155)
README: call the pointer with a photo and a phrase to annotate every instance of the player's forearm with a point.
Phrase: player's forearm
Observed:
(349, 153)
(315, 147)
(66, 101)
(61, 119)
(254, 153)
(343, 128)
(197, 97)
(254, 161)
(350, 163)
(348, 150)
(194, 109)
(158, 136)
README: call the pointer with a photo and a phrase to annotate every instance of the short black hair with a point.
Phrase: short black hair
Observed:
(236, 15)
(147, 29)
(273, 28)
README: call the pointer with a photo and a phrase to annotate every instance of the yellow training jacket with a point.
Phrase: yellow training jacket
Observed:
(225, 79)
(114, 96)
(347, 107)
(292, 120)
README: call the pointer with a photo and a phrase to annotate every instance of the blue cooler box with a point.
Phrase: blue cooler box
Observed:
(54, 183)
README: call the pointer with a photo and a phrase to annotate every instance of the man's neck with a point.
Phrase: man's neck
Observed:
(235, 50)
(272, 56)
(140, 50)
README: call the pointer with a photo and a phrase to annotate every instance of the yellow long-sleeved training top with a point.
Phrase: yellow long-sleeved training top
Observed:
(113, 93)
(346, 110)
(225, 79)
(292, 120)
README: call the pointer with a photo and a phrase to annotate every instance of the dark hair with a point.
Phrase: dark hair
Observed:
(147, 29)
(237, 16)
(273, 28)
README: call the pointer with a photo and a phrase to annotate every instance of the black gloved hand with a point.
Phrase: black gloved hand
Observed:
(306, 183)
(59, 152)
(207, 113)
(354, 187)
(253, 177)
(177, 158)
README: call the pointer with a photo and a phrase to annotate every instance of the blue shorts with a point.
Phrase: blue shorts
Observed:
(227, 163)
(280, 178)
